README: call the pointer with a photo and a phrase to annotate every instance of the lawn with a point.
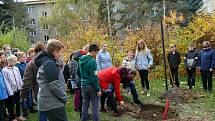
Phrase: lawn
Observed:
(199, 110)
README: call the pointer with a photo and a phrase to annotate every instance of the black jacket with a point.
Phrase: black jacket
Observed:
(174, 59)
(191, 59)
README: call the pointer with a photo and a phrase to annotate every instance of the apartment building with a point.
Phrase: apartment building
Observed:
(38, 10)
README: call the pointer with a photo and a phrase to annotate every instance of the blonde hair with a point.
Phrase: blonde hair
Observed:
(54, 45)
(4, 46)
(86, 47)
(11, 58)
(145, 46)
(20, 54)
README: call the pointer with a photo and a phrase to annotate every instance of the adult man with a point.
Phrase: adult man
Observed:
(207, 65)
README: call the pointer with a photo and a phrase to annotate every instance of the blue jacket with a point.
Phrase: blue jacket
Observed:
(207, 59)
(3, 89)
(21, 66)
(103, 60)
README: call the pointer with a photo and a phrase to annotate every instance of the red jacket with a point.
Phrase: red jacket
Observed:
(108, 76)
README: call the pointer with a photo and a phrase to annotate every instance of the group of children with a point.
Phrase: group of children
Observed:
(12, 68)
(204, 60)
(90, 76)
(106, 79)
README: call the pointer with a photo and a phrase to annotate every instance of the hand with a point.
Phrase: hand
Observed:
(211, 70)
(121, 103)
(99, 94)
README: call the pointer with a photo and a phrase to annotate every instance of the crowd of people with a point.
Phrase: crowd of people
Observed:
(40, 78)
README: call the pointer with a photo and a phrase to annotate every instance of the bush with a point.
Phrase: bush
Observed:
(21, 41)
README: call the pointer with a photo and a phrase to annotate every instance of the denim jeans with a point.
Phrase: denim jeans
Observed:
(134, 92)
(27, 103)
(90, 95)
(42, 116)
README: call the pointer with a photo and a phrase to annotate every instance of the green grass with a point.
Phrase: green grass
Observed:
(202, 109)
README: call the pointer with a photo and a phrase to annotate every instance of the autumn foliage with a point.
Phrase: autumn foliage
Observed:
(201, 28)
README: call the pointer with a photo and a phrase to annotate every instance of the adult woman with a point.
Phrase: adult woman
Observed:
(144, 61)
(103, 58)
(52, 86)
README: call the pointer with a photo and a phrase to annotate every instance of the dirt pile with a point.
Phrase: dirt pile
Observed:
(180, 96)
(149, 112)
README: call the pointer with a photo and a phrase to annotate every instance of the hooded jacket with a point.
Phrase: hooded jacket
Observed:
(111, 76)
(52, 88)
(207, 59)
(88, 72)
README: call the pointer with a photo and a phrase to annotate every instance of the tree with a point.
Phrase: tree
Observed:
(140, 12)
(12, 14)
(68, 15)
(21, 41)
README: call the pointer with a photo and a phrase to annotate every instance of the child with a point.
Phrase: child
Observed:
(89, 83)
(13, 81)
(3, 94)
(143, 62)
(129, 61)
(3, 59)
(174, 60)
(26, 103)
(30, 54)
(190, 61)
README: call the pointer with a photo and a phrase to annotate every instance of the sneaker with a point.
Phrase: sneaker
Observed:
(116, 114)
(21, 118)
(148, 94)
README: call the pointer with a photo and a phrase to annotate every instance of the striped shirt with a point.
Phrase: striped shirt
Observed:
(12, 79)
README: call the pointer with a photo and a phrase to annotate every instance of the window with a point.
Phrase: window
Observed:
(44, 14)
(33, 33)
(128, 27)
(46, 38)
(30, 9)
(45, 27)
(57, 32)
(32, 22)
(114, 9)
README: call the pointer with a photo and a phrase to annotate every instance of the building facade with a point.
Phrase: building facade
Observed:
(209, 6)
(39, 10)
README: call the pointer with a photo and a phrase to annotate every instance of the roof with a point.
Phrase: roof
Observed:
(32, 2)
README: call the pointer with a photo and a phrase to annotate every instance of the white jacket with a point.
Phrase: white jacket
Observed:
(129, 63)
(12, 79)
